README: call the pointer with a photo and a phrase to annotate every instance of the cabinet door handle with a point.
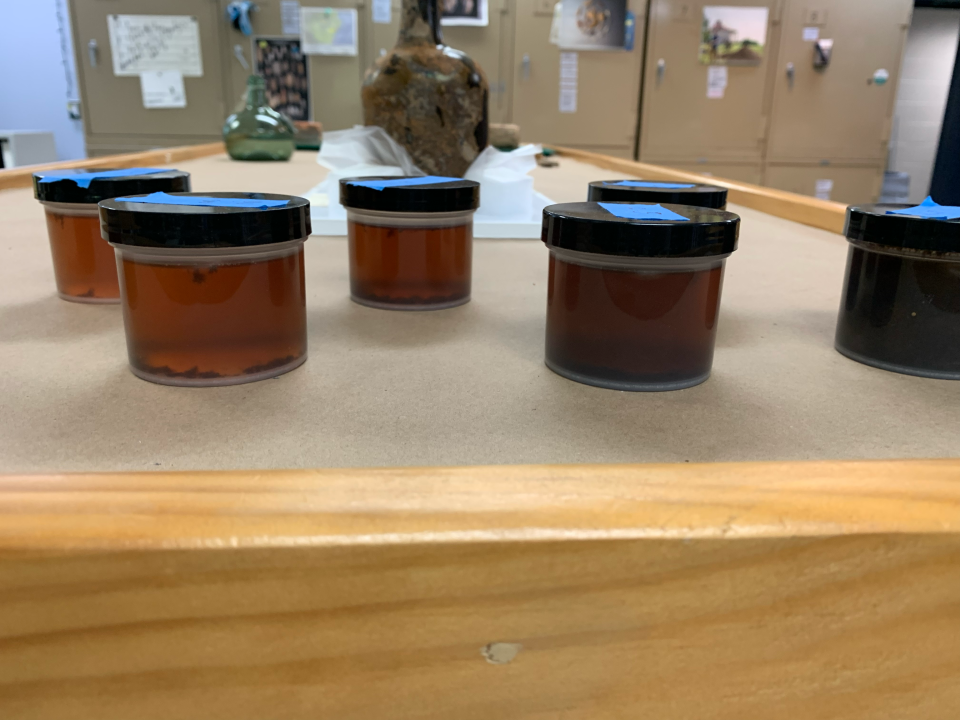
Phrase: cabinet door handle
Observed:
(238, 54)
(93, 50)
(525, 67)
(790, 74)
(661, 70)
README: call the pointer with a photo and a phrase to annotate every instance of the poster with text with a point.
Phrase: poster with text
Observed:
(464, 12)
(733, 35)
(593, 24)
(284, 71)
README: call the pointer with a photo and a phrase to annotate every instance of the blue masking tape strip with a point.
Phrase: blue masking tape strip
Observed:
(380, 184)
(160, 198)
(83, 179)
(640, 211)
(660, 185)
(929, 209)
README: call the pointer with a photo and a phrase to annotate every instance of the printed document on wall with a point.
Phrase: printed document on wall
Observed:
(569, 78)
(163, 89)
(328, 31)
(154, 43)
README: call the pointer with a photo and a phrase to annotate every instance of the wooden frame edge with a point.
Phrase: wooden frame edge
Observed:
(20, 177)
(384, 506)
(823, 214)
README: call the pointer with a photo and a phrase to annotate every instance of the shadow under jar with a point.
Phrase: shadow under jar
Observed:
(83, 263)
(900, 309)
(213, 285)
(411, 241)
(633, 300)
(644, 191)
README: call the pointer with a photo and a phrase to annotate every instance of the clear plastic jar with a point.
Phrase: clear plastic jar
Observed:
(410, 260)
(83, 263)
(900, 309)
(638, 322)
(411, 241)
(197, 315)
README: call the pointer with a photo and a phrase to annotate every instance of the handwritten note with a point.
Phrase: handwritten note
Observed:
(154, 43)
(163, 89)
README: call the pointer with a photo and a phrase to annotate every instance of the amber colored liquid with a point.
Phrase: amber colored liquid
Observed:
(620, 329)
(215, 324)
(413, 267)
(83, 262)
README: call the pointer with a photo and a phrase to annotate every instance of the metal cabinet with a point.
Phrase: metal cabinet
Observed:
(115, 119)
(608, 87)
(843, 183)
(680, 122)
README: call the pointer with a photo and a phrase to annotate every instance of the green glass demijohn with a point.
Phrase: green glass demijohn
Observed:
(258, 132)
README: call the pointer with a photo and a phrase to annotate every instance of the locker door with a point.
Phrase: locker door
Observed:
(608, 86)
(837, 113)
(114, 105)
(490, 46)
(679, 121)
(334, 79)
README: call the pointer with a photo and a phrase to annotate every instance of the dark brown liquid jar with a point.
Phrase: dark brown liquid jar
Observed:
(900, 308)
(212, 285)
(411, 241)
(633, 296)
(646, 191)
(83, 263)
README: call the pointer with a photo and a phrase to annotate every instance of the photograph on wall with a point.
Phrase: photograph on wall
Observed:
(283, 68)
(593, 24)
(463, 12)
(733, 35)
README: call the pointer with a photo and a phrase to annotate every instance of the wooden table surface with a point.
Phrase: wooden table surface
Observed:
(460, 386)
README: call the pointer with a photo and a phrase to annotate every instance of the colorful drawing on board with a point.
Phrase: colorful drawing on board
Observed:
(733, 35)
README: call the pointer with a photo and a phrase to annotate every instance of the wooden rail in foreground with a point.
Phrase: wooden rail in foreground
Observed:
(769, 591)
(823, 214)
(23, 176)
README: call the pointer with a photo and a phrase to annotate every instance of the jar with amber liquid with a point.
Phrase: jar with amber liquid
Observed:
(83, 262)
(411, 241)
(633, 294)
(213, 285)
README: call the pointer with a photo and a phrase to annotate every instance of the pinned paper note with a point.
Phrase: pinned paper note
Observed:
(569, 79)
(716, 81)
(328, 31)
(658, 185)
(382, 12)
(642, 211)
(380, 183)
(290, 17)
(163, 89)
(162, 198)
(931, 210)
(822, 189)
(150, 43)
(811, 34)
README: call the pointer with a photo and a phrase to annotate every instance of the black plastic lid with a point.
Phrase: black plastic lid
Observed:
(870, 223)
(588, 227)
(708, 196)
(191, 226)
(67, 191)
(453, 196)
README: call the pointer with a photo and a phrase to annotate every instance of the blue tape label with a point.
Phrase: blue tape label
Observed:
(83, 179)
(658, 185)
(929, 209)
(160, 198)
(381, 183)
(642, 211)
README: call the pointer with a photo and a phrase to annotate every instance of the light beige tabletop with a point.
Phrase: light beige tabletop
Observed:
(460, 386)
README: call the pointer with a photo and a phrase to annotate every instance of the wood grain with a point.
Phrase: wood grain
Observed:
(823, 214)
(23, 176)
(774, 591)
